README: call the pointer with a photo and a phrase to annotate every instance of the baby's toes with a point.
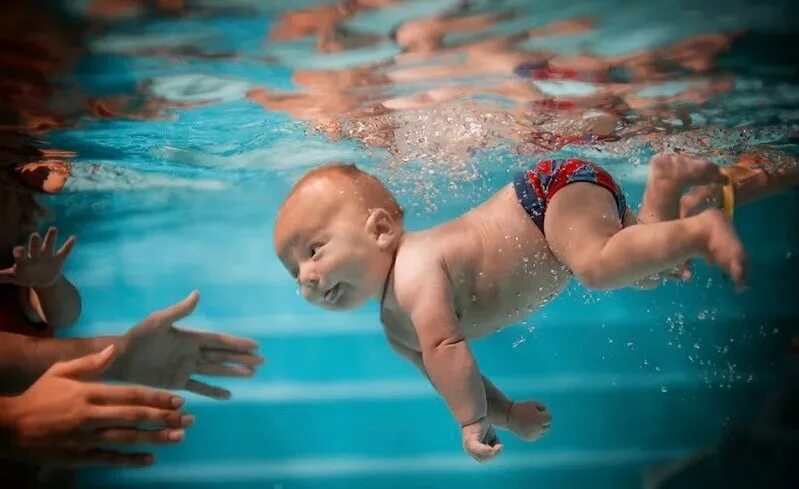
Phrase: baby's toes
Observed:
(738, 269)
(699, 171)
(709, 172)
(733, 261)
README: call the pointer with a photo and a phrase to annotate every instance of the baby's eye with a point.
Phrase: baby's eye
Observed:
(315, 248)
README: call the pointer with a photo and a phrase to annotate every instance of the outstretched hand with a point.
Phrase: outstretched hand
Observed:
(40, 264)
(157, 353)
(65, 419)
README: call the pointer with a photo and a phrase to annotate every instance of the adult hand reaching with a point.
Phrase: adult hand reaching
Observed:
(40, 264)
(157, 353)
(65, 420)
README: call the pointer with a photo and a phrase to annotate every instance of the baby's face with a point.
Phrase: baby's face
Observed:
(325, 246)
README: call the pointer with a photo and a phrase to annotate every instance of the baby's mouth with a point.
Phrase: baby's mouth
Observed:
(332, 295)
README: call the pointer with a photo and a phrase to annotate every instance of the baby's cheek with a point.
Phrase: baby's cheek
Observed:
(362, 270)
(327, 266)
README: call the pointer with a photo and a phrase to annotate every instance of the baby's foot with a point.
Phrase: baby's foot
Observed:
(723, 246)
(677, 172)
(529, 420)
(700, 198)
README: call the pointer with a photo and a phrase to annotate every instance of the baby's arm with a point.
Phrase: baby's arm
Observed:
(447, 359)
(499, 405)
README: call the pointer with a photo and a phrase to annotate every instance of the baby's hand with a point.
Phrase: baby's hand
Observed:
(679, 273)
(529, 420)
(40, 265)
(480, 440)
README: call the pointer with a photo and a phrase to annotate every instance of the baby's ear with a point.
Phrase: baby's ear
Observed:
(381, 227)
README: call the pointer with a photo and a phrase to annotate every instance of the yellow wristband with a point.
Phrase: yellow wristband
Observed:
(728, 193)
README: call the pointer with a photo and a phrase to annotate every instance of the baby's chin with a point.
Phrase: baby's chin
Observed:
(347, 301)
(338, 307)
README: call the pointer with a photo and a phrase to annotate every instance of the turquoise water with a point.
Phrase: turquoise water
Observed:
(633, 379)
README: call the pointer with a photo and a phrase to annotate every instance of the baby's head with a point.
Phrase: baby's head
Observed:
(337, 233)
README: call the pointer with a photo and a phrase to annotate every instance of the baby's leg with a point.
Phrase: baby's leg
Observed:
(669, 175)
(584, 232)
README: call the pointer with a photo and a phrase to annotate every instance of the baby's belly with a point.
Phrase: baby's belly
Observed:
(487, 313)
(514, 272)
(510, 287)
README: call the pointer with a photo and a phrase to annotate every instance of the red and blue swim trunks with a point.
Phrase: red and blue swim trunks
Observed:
(536, 187)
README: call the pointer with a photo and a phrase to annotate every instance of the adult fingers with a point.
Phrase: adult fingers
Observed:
(66, 248)
(218, 370)
(178, 310)
(19, 254)
(204, 389)
(208, 355)
(116, 416)
(132, 436)
(86, 366)
(224, 342)
(50, 239)
(134, 396)
(34, 245)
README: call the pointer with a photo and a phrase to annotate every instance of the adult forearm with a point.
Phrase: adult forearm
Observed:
(59, 305)
(758, 175)
(24, 359)
(6, 427)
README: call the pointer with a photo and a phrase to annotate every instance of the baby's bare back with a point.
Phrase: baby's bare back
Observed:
(498, 263)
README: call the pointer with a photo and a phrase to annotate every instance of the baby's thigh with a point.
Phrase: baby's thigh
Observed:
(579, 220)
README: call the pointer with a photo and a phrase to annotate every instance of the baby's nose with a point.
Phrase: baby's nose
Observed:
(309, 287)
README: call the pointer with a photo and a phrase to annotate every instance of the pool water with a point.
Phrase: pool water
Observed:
(185, 198)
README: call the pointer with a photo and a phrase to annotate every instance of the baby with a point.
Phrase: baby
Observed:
(340, 235)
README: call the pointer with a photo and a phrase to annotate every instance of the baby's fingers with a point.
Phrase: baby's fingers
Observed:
(204, 389)
(679, 273)
(481, 451)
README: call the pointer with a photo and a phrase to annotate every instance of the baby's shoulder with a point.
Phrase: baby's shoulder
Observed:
(416, 260)
(418, 267)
